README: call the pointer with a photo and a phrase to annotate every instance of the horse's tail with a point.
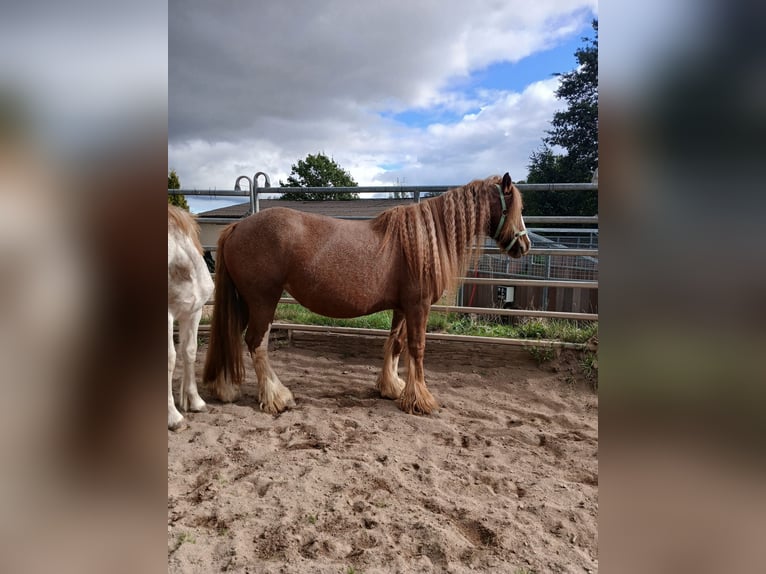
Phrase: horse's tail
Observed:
(223, 365)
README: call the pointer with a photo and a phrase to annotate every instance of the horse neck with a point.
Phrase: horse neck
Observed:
(466, 214)
(459, 217)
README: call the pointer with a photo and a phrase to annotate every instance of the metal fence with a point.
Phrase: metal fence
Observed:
(564, 252)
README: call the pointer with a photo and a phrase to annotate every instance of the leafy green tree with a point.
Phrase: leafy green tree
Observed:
(576, 130)
(318, 171)
(176, 198)
(549, 167)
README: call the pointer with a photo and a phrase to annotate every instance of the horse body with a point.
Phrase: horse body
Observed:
(313, 252)
(402, 260)
(189, 287)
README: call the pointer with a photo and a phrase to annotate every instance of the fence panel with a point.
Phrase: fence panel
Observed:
(549, 262)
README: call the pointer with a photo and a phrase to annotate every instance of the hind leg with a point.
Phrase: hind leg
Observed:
(389, 383)
(273, 396)
(187, 328)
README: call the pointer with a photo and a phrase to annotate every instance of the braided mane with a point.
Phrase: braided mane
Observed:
(437, 235)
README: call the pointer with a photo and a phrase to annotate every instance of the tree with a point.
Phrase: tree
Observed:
(576, 130)
(548, 167)
(176, 198)
(318, 171)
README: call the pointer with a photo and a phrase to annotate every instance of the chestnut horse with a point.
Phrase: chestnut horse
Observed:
(404, 260)
(189, 287)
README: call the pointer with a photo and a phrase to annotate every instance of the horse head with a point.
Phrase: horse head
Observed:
(511, 233)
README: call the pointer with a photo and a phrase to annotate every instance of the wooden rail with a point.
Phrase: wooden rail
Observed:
(331, 330)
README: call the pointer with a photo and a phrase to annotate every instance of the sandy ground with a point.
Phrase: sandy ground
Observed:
(504, 478)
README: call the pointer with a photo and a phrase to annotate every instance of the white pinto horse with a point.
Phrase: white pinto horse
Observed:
(189, 287)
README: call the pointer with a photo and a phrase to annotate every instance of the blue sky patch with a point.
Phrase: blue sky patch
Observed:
(516, 76)
(502, 77)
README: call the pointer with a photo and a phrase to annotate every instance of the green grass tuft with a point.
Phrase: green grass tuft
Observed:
(542, 354)
(456, 324)
(589, 365)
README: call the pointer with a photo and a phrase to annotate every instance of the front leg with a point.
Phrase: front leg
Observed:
(273, 395)
(389, 383)
(187, 331)
(416, 398)
(175, 419)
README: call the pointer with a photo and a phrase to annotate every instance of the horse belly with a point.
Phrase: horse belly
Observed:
(342, 300)
(336, 268)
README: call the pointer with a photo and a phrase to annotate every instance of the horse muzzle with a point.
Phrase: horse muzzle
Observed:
(519, 245)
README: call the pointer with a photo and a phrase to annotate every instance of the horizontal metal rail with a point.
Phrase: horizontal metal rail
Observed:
(564, 219)
(551, 219)
(430, 336)
(495, 250)
(387, 189)
(554, 251)
(573, 284)
(564, 229)
(212, 192)
(574, 252)
(516, 312)
(530, 282)
(588, 219)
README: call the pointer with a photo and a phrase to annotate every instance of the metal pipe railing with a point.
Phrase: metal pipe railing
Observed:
(420, 190)
(562, 251)
(417, 192)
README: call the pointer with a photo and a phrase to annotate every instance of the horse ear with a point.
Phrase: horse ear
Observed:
(507, 183)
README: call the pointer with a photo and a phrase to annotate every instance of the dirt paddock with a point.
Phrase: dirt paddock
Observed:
(504, 478)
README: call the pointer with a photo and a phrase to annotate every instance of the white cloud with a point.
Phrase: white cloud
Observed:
(497, 139)
(258, 87)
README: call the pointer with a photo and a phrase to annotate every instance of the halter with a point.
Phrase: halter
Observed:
(516, 234)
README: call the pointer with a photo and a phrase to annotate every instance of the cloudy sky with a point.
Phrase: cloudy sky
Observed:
(420, 92)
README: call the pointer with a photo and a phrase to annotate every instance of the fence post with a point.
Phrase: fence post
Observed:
(254, 197)
(250, 189)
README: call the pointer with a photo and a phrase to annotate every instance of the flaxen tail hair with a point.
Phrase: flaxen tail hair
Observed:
(437, 236)
(224, 355)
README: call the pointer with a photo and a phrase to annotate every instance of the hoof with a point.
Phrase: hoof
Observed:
(177, 426)
(196, 406)
(423, 405)
(279, 402)
(226, 392)
(391, 389)
(202, 408)
(272, 409)
(276, 407)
